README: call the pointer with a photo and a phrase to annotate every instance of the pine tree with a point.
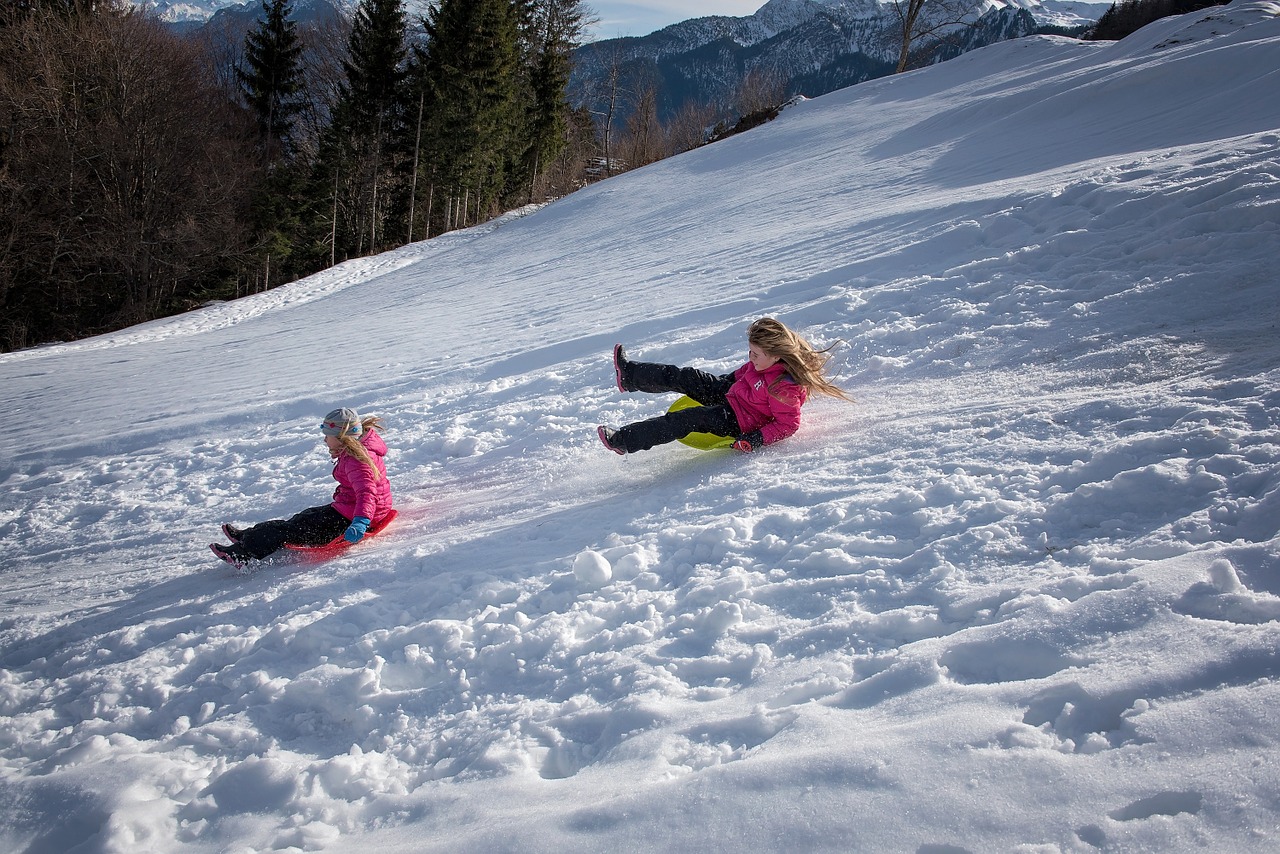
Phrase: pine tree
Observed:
(374, 66)
(272, 81)
(357, 177)
(469, 74)
(551, 28)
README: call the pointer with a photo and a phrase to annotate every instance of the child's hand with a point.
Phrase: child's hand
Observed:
(748, 442)
(355, 531)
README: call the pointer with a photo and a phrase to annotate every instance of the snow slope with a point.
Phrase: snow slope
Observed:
(1022, 596)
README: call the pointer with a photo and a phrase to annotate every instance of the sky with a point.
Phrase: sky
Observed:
(1021, 595)
(640, 19)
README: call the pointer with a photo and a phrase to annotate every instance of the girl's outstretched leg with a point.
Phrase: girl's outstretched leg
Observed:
(707, 389)
(643, 435)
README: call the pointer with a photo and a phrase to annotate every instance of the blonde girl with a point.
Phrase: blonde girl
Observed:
(756, 405)
(362, 498)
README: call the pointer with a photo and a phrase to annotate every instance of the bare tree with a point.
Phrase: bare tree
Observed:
(759, 91)
(619, 90)
(609, 104)
(646, 139)
(690, 126)
(926, 19)
(324, 50)
(126, 174)
(568, 171)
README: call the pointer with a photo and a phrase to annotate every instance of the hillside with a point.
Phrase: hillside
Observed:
(1021, 596)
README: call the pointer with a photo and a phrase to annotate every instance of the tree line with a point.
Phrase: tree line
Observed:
(1129, 16)
(143, 173)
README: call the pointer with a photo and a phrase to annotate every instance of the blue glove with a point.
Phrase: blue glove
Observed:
(355, 531)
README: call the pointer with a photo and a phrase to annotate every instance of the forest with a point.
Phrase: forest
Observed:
(144, 172)
(1128, 16)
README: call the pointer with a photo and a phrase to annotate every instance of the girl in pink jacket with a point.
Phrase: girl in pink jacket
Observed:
(756, 405)
(362, 499)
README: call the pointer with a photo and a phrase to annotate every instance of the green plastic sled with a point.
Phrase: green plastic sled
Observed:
(701, 441)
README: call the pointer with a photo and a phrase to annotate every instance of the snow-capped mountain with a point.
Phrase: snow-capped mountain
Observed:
(811, 46)
(1061, 13)
(188, 13)
(192, 16)
(772, 18)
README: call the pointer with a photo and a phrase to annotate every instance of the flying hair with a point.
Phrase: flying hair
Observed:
(804, 362)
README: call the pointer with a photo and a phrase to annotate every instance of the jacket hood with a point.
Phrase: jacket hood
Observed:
(373, 443)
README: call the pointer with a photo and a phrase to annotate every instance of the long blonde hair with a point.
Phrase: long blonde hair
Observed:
(805, 364)
(351, 444)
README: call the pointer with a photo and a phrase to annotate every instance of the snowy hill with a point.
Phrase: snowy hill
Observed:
(1022, 596)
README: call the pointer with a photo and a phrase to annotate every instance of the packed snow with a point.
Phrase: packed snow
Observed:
(1022, 595)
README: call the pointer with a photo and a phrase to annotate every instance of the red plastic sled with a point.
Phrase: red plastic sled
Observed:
(340, 543)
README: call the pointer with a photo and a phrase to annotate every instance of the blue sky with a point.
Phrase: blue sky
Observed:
(640, 19)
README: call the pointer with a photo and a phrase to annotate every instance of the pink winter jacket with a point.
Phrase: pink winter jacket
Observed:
(766, 403)
(357, 493)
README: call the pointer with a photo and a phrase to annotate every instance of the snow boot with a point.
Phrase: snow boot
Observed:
(606, 435)
(235, 554)
(620, 365)
(233, 533)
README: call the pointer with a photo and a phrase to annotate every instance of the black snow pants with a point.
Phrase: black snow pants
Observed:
(315, 526)
(714, 416)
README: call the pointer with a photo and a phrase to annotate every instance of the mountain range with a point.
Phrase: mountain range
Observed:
(810, 47)
(807, 47)
(192, 16)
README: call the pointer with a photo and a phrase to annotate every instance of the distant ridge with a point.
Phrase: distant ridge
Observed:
(810, 47)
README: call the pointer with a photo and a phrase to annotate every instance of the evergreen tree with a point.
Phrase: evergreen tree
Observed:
(551, 30)
(374, 66)
(469, 74)
(1129, 16)
(272, 81)
(357, 177)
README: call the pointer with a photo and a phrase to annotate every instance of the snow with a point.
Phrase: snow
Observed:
(1021, 596)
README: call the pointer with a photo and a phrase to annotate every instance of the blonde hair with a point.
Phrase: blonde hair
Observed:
(804, 363)
(351, 444)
